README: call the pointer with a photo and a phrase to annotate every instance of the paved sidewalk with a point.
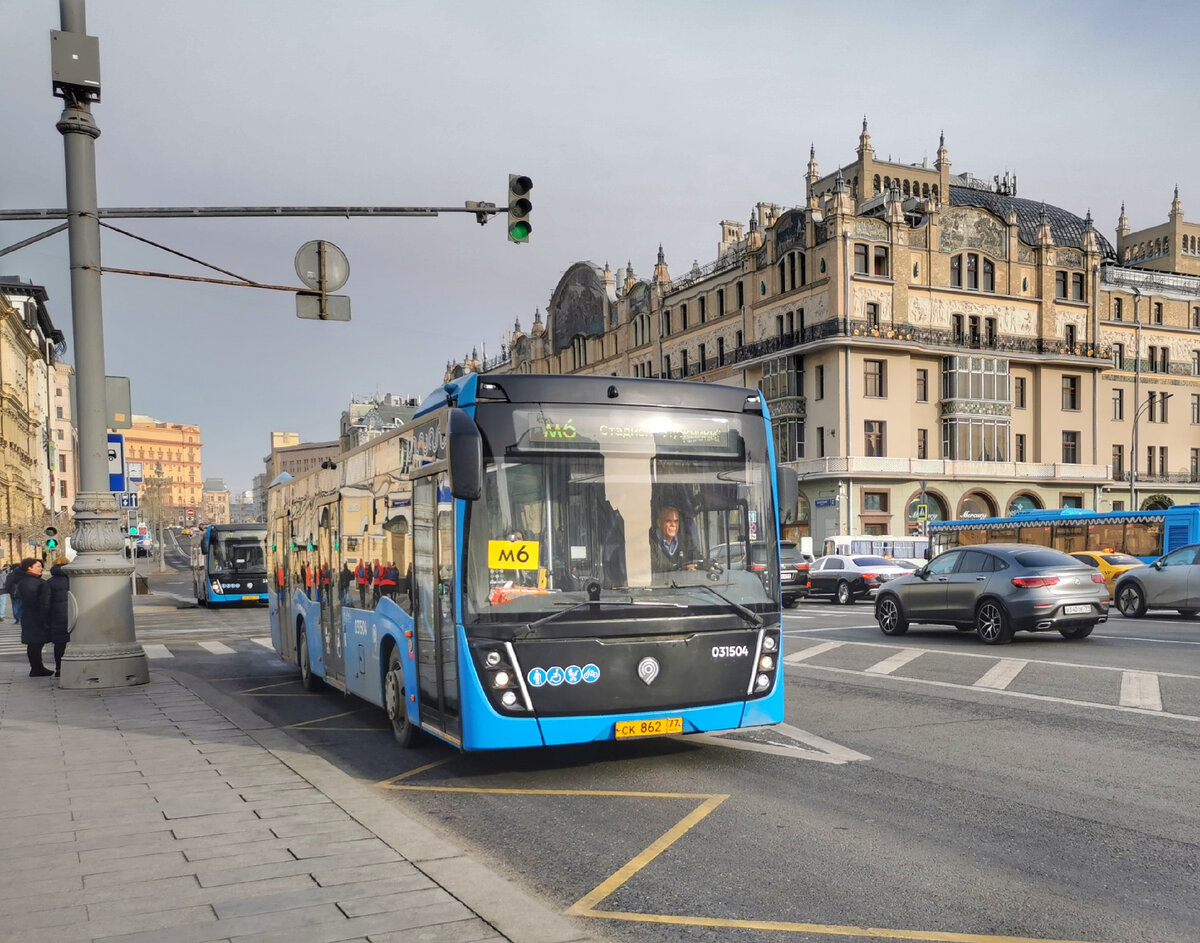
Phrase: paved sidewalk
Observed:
(168, 813)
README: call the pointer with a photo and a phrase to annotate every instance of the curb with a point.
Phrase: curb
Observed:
(496, 900)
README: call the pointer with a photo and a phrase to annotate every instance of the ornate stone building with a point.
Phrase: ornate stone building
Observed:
(30, 346)
(170, 453)
(923, 339)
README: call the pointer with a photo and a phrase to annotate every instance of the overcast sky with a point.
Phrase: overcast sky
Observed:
(639, 122)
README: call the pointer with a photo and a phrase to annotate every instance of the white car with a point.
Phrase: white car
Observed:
(851, 577)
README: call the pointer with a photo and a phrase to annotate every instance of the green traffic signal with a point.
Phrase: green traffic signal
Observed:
(51, 544)
(519, 208)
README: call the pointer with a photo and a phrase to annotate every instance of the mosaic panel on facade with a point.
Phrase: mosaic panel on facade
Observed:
(577, 308)
(971, 229)
(1026, 255)
(868, 228)
(1069, 258)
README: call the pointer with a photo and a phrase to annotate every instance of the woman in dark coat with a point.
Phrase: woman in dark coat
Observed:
(56, 619)
(35, 610)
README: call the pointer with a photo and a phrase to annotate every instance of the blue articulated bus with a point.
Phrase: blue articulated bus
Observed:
(493, 573)
(229, 565)
(1146, 534)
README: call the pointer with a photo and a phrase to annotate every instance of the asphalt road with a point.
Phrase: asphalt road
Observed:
(926, 787)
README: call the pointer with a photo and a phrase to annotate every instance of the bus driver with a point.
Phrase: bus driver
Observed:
(669, 549)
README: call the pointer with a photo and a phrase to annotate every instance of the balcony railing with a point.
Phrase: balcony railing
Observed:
(1166, 477)
(917, 469)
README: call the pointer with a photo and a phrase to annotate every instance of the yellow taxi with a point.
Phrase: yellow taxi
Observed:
(186, 532)
(1110, 563)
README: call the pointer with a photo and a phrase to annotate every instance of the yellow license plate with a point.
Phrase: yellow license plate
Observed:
(658, 727)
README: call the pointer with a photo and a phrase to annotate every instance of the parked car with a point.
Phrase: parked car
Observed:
(1170, 582)
(849, 578)
(793, 571)
(793, 564)
(1110, 563)
(997, 589)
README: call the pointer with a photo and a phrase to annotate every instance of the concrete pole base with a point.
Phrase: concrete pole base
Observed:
(88, 668)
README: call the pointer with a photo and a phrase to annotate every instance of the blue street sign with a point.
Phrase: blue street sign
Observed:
(116, 462)
(825, 502)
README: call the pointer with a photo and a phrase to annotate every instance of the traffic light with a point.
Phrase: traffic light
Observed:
(519, 208)
(51, 538)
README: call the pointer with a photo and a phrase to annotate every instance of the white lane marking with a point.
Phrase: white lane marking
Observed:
(830, 628)
(157, 651)
(819, 749)
(811, 651)
(1022, 694)
(1001, 674)
(265, 642)
(898, 660)
(1140, 689)
(217, 648)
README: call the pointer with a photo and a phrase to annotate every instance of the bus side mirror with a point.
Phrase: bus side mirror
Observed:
(787, 484)
(204, 545)
(466, 456)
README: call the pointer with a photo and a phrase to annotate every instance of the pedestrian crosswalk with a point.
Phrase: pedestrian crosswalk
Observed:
(1138, 690)
(10, 644)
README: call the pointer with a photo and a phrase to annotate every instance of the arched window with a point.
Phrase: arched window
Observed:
(925, 191)
(887, 183)
(934, 191)
(907, 191)
(976, 505)
(1024, 501)
(877, 183)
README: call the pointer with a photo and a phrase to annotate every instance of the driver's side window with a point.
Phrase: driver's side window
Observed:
(944, 564)
(1184, 556)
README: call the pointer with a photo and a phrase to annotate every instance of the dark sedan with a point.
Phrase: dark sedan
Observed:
(997, 589)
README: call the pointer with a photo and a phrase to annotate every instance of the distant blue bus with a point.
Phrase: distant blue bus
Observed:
(1143, 534)
(488, 574)
(229, 564)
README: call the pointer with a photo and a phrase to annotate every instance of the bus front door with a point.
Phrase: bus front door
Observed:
(434, 619)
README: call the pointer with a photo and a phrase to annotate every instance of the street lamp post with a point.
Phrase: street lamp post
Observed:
(1137, 388)
(104, 652)
(1142, 409)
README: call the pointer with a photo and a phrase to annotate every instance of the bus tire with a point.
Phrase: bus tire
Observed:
(394, 701)
(844, 596)
(310, 681)
(992, 623)
(1131, 600)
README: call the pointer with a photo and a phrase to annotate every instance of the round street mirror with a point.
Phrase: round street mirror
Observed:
(322, 266)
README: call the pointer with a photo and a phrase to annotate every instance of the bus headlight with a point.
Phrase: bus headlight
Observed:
(762, 682)
(769, 643)
(766, 663)
(492, 658)
(509, 699)
(501, 679)
(216, 587)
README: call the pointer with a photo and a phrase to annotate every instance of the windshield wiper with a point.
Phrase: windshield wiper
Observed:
(748, 614)
(529, 629)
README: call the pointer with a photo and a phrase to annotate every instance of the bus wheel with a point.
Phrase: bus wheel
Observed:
(393, 695)
(310, 681)
(1131, 601)
(992, 623)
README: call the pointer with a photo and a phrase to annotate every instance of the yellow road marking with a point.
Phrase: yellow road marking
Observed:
(586, 905)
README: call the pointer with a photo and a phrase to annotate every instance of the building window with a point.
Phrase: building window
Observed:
(989, 275)
(1060, 284)
(1158, 317)
(1159, 360)
(60, 435)
(975, 378)
(58, 392)
(58, 412)
(703, 309)
(737, 340)
(875, 501)
(1077, 286)
(875, 378)
(1019, 447)
(956, 272)
(1156, 406)
(720, 351)
(703, 359)
(667, 323)
(1196, 363)
(1070, 448)
(667, 366)
(922, 443)
(875, 430)
(872, 315)
(819, 390)
(1118, 462)
(1070, 393)
(1196, 408)
(957, 322)
(720, 302)
(683, 318)
(1118, 356)
(820, 441)
(972, 271)
(922, 385)
(1118, 404)
(1116, 310)
(881, 261)
(741, 295)
(975, 440)
(860, 259)
(1196, 316)
(62, 463)
(1194, 466)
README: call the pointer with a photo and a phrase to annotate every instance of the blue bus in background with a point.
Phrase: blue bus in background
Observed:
(229, 564)
(1144, 534)
(487, 574)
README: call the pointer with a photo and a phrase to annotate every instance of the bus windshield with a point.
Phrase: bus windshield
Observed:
(621, 504)
(231, 551)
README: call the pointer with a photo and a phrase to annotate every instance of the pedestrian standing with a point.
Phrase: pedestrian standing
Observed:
(5, 593)
(388, 581)
(362, 576)
(59, 585)
(34, 596)
(377, 580)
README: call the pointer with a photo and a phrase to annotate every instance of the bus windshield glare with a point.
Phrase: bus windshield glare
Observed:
(235, 552)
(621, 504)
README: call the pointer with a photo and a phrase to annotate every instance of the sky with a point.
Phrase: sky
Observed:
(640, 124)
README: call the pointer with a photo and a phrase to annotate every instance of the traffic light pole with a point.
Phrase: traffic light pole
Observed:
(103, 652)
